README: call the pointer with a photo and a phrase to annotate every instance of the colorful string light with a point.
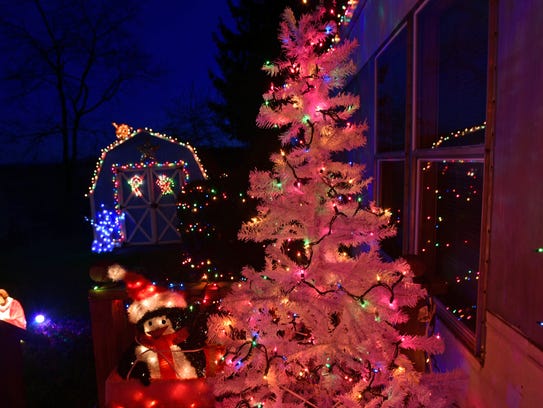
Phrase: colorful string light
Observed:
(124, 138)
(458, 134)
(279, 343)
(108, 233)
(165, 184)
(135, 183)
(164, 181)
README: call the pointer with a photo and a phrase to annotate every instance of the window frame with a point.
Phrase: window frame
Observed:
(413, 155)
(472, 339)
(398, 155)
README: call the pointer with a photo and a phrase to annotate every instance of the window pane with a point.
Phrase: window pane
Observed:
(392, 194)
(362, 84)
(450, 225)
(391, 71)
(452, 72)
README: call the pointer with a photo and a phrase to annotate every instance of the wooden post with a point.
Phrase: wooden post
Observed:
(11, 365)
(112, 333)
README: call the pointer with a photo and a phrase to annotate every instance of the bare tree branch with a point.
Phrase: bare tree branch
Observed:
(68, 59)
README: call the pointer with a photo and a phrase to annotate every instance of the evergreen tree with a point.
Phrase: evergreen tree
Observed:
(320, 324)
(240, 82)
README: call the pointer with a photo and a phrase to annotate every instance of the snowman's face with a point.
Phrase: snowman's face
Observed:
(158, 326)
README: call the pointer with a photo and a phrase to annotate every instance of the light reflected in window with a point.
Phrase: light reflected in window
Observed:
(452, 42)
(391, 198)
(449, 234)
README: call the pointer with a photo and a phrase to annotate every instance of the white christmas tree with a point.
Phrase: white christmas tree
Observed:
(319, 325)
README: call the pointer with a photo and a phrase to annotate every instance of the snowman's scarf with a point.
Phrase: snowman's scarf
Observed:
(164, 358)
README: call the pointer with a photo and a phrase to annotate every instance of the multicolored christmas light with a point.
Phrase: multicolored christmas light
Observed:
(136, 184)
(342, 11)
(165, 184)
(108, 232)
(322, 324)
(209, 214)
(450, 230)
(458, 135)
(124, 133)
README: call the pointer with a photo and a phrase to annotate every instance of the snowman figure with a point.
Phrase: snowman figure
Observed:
(167, 344)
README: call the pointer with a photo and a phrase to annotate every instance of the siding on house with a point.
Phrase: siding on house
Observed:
(509, 370)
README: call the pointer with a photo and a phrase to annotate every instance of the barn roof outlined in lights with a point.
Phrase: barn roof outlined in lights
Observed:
(134, 188)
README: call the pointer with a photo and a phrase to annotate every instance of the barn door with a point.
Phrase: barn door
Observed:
(147, 197)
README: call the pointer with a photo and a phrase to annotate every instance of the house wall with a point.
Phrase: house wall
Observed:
(510, 372)
(373, 23)
(515, 276)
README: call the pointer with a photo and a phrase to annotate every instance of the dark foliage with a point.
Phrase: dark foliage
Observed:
(243, 50)
(240, 81)
(210, 213)
(45, 260)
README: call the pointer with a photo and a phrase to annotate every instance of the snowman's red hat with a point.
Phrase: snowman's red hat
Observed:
(146, 295)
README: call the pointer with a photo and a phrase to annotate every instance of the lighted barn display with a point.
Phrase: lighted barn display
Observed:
(134, 189)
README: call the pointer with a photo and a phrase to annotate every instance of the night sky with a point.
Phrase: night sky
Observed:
(177, 34)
